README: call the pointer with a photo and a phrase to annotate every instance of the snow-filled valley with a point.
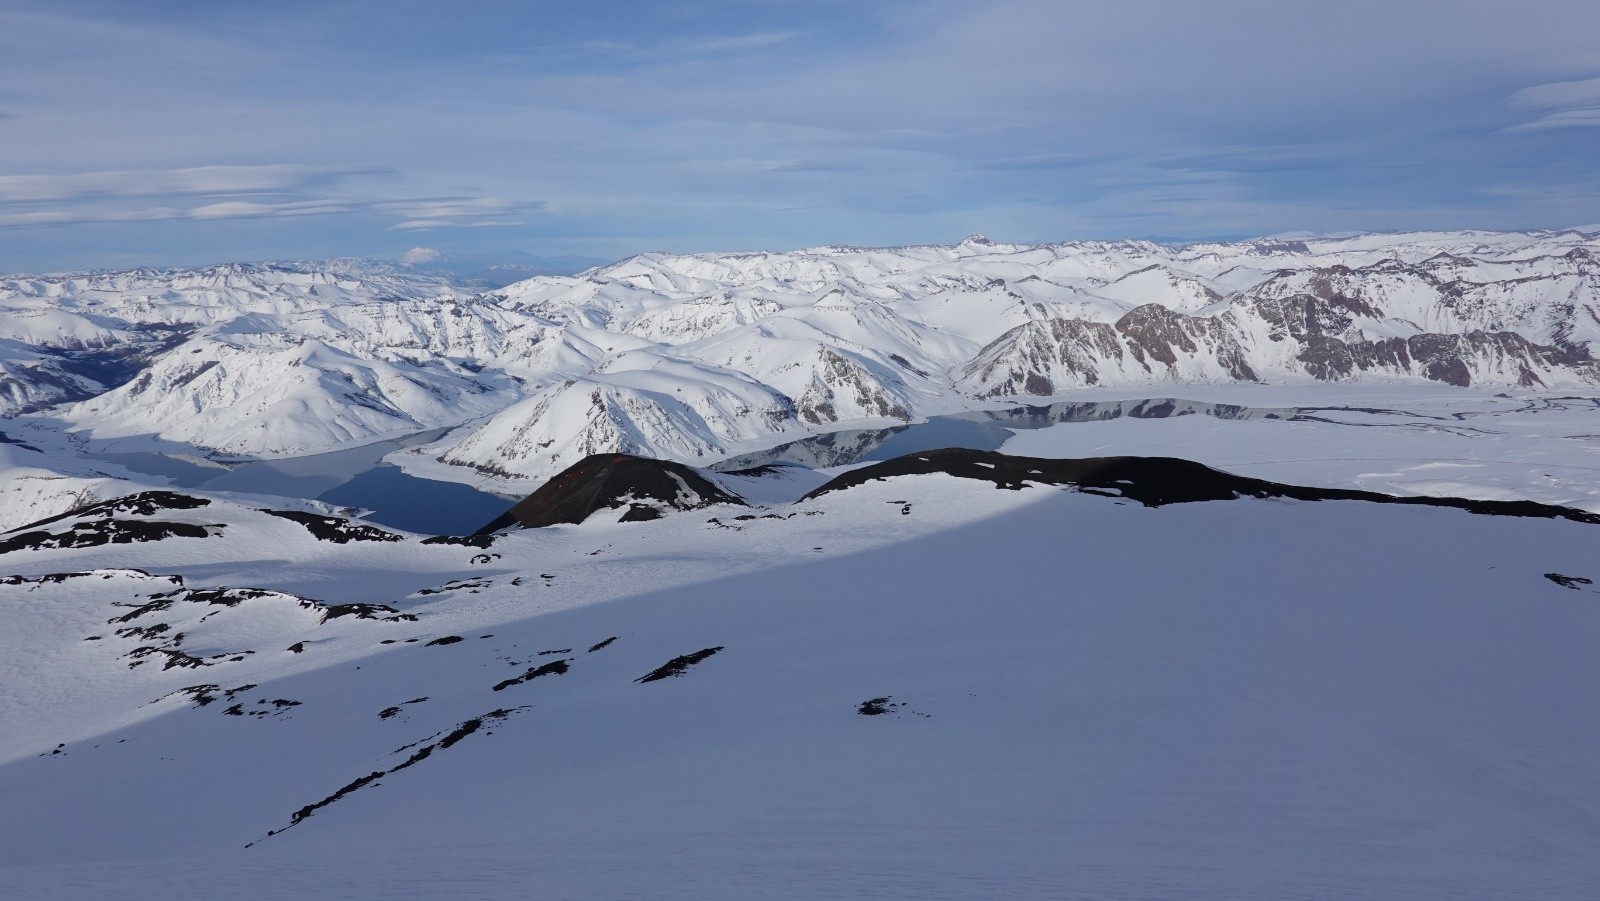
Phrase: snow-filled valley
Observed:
(1353, 657)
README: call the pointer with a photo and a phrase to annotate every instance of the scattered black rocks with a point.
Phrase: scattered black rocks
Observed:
(601, 644)
(553, 668)
(482, 542)
(56, 578)
(745, 518)
(389, 712)
(556, 651)
(143, 633)
(471, 585)
(138, 610)
(233, 597)
(382, 612)
(202, 695)
(422, 753)
(179, 659)
(97, 532)
(1155, 481)
(483, 559)
(610, 481)
(145, 503)
(448, 639)
(886, 706)
(334, 528)
(263, 708)
(677, 666)
(298, 647)
(878, 706)
(1576, 583)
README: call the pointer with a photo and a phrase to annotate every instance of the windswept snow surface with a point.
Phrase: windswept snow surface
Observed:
(1085, 698)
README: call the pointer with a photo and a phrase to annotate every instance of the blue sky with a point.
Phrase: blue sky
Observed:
(136, 132)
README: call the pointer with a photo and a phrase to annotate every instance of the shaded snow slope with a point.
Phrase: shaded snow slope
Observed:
(912, 688)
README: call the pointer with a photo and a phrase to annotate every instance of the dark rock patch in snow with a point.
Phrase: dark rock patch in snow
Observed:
(233, 597)
(106, 531)
(180, 659)
(553, 668)
(447, 639)
(334, 528)
(878, 706)
(601, 644)
(204, 694)
(477, 541)
(1576, 583)
(389, 712)
(646, 487)
(458, 585)
(381, 612)
(677, 666)
(145, 503)
(139, 610)
(423, 753)
(278, 706)
(1155, 481)
(56, 578)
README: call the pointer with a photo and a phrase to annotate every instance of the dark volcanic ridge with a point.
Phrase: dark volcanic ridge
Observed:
(648, 488)
(1155, 481)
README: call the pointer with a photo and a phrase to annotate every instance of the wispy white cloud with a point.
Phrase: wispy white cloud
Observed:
(1568, 104)
(200, 181)
(750, 165)
(198, 195)
(724, 43)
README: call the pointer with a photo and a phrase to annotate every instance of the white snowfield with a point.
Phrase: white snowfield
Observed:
(1082, 697)
(924, 687)
(290, 359)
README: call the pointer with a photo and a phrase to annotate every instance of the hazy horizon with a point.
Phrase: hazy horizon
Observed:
(157, 133)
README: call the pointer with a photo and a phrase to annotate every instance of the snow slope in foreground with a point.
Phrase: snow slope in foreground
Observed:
(1085, 698)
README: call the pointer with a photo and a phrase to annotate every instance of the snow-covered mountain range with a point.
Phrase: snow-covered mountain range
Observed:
(699, 357)
(1352, 658)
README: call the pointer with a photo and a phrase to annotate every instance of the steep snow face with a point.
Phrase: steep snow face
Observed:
(1296, 337)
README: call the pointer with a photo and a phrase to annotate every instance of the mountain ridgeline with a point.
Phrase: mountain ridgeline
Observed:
(695, 358)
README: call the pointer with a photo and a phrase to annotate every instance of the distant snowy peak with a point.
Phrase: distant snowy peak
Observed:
(265, 392)
(639, 403)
